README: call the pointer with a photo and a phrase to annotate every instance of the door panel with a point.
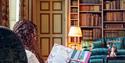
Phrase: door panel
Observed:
(48, 15)
(57, 23)
(44, 46)
(44, 23)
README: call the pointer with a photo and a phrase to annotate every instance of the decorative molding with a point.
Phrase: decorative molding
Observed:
(45, 4)
(57, 38)
(41, 43)
(41, 31)
(57, 24)
(57, 5)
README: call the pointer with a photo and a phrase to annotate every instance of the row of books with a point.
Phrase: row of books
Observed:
(74, 9)
(91, 34)
(114, 26)
(90, 8)
(97, 33)
(114, 16)
(90, 1)
(87, 19)
(87, 35)
(74, 22)
(74, 16)
(114, 33)
(74, 2)
(115, 4)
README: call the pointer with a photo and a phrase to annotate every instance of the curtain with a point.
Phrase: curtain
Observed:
(25, 9)
(4, 13)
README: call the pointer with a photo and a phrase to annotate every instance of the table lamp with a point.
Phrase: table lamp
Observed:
(75, 31)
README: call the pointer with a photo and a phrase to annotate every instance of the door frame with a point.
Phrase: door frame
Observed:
(65, 26)
(34, 17)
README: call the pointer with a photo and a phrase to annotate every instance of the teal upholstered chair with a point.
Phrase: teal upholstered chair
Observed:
(100, 50)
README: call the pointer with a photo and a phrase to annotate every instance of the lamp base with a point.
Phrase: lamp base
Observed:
(76, 46)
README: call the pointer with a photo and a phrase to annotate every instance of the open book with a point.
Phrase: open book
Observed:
(63, 54)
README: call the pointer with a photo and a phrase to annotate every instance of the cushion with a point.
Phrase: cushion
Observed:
(115, 39)
(121, 52)
(97, 56)
(98, 44)
(100, 51)
(96, 61)
(117, 42)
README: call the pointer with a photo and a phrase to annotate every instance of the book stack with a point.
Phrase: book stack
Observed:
(115, 4)
(88, 19)
(90, 1)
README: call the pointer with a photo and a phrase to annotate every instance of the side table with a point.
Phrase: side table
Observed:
(117, 59)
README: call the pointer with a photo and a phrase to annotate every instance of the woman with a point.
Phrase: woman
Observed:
(26, 30)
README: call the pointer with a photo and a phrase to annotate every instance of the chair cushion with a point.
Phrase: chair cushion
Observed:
(121, 52)
(97, 56)
(100, 51)
(96, 61)
(117, 42)
(98, 44)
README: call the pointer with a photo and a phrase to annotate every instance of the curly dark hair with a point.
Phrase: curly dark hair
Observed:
(26, 31)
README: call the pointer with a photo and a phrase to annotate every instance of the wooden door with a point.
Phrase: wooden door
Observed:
(49, 16)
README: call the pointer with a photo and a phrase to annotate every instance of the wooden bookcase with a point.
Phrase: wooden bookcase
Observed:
(98, 18)
(114, 18)
(90, 19)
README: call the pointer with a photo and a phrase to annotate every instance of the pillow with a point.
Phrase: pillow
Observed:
(100, 51)
(113, 39)
(117, 42)
(98, 44)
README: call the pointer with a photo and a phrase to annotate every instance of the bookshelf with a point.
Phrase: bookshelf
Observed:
(114, 21)
(98, 18)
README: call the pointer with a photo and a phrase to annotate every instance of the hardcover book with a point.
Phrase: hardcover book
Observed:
(59, 54)
(63, 54)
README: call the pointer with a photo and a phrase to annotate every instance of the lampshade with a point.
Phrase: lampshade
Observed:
(75, 31)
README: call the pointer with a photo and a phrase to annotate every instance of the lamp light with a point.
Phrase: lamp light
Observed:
(75, 31)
